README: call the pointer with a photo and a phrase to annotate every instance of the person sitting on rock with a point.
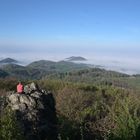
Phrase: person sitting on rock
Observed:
(19, 88)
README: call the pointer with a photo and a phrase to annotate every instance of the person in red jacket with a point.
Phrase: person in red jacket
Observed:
(19, 88)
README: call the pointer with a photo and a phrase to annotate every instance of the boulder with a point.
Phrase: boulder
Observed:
(36, 112)
(31, 88)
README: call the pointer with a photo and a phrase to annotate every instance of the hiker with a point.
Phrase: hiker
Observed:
(20, 88)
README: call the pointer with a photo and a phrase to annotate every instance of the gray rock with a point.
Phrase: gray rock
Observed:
(20, 107)
(24, 99)
(35, 111)
(14, 99)
(32, 102)
(31, 88)
(36, 94)
(27, 89)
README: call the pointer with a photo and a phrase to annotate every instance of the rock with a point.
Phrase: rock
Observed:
(14, 99)
(35, 111)
(27, 89)
(21, 107)
(31, 88)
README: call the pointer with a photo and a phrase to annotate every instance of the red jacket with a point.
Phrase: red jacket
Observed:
(19, 88)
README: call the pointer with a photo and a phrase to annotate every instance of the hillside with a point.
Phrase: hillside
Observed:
(75, 58)
(41, 64)
(99, 77)
(15, 70)
(8, 61)
(60, 66)
(69, 110)
(39, 69)
(70, 72)
(71, 101)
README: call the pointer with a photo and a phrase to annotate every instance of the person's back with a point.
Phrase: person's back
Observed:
(20, 88)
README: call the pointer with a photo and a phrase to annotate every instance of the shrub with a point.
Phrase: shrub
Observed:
(9, 126)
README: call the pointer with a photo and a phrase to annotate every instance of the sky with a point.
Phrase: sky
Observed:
(54, 29)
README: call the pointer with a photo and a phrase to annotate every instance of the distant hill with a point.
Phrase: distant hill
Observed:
(42, 64)
(61, 66)
(70, 72)
(76, 58)
(15, 70)
(39, 69)
(8, 61)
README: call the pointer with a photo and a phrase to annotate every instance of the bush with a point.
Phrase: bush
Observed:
(9, 126)
(105, 114)
(125, 114)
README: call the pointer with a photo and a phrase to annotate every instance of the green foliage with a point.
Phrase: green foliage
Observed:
(105, 113)
(125, 114)
(71, 72)
(93, 104)
(52, 85)
(99, 77)
(8, 84)
(9, 126)
(68, 129)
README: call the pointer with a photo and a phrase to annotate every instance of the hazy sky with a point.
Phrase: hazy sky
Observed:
(39, 28)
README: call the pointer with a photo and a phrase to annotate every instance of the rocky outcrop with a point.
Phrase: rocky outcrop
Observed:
(35, 110)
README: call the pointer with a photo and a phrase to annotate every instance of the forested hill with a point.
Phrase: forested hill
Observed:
(88, 103)
(38, 69)
(70, 72)
(80, 111)
(8, 61)
(99, 77)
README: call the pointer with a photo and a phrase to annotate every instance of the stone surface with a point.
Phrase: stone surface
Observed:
(35, 110)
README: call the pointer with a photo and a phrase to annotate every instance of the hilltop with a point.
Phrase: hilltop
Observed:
(75, 58)
(8, 61)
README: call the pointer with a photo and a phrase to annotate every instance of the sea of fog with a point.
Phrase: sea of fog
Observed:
(118, 62)
(121, 65)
